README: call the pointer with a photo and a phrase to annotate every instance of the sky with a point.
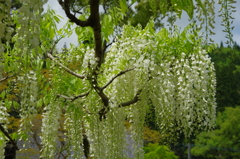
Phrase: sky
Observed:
(218, 37)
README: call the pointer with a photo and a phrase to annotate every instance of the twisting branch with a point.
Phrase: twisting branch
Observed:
(94, 20)
(102, 113)
(66, 7)
(102, 95)
(116, 76)
(5, 78)
(105, 45)
(104, 7)
(65, 68)
(73, 98)
(8, 136)
(75, 11)
(134, 100)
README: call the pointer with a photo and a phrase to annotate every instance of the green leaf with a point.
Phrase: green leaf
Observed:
(188, 7)
(202, 6)
(178, 7)
(123, 6)
(56, 19)
(3, 94)
(164, 6)
(150, 26)
(48, 25)
(107, 26)
(39, 103)
(14, 135)
(15, 105)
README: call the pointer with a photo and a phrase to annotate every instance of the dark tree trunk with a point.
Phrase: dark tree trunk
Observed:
(10, 151)
(86, 146)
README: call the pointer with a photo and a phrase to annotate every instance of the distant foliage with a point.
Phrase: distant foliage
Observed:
(226, 63)
(222, 142)
(155, 151)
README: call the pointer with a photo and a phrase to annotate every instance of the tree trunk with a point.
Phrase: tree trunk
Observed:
(10, 151)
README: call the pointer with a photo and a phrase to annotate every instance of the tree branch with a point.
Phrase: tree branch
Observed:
(34, 136)
(5, 78)
(134, 100)
(102, 113)
(65, 68)
(73, 98)
(105, 45)
(94, 20)
(105, 99)
(73, 18)
(102, 95)
(104, 7)
(116, 76)
(8, 136)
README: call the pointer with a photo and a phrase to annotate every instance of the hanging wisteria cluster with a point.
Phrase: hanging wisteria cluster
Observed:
(22, 28)
(29, 18)
(177, 79)
(175, 76)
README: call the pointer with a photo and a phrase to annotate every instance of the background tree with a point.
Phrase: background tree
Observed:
(158, 151)
(226, 62)
(222, 142)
